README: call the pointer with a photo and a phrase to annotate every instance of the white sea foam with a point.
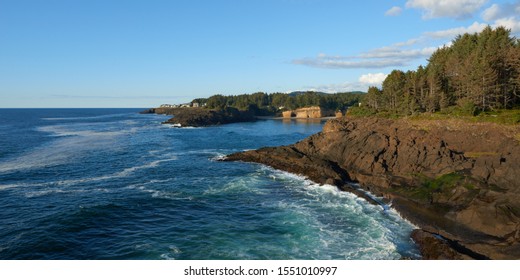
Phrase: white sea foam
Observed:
(86, 118)
(51, 155)
(240, 185)
(64, 149)
(219, 157)
(10, 186)
(179, 126)
(215, 154)
(167, 256)
(69, 130)
(121, 174)
(369, 231)
(148, 187)
(33, 194)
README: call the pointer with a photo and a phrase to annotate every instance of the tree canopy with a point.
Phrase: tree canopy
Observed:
(273, 102)
(477, 72)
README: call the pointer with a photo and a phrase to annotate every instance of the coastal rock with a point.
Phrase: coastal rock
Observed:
(313, 112)
(455, 179)
(196, 117)
(434, 247)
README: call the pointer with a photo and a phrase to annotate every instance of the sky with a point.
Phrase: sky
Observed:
(141, 54)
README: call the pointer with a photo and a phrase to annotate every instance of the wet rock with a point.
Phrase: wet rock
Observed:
(434, 247)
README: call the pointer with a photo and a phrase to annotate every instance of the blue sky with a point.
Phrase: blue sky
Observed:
(103, 53)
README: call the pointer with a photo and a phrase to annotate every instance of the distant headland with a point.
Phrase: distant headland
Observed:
(219, 109)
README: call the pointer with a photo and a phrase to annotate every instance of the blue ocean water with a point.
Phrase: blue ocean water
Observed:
(114, 184)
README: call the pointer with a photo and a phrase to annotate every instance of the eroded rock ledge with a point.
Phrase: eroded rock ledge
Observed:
(456, 180)
(197, 117)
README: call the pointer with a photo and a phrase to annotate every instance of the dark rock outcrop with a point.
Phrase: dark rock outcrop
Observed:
(454, 179)
(434, 247)
(148, 111)
(196, 117)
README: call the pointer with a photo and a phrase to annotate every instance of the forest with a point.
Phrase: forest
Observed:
(476, 73)
(264, 103)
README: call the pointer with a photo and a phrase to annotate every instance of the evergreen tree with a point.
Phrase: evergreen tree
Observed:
(480, 70)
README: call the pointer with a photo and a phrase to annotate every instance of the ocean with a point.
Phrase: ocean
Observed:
(115, 184)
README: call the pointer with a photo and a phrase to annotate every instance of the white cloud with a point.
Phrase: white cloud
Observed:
(372, 79)
(404, 53)
(407, 43)
(333, 88)
(453, 32)
(501, 11)
(509, 23)
(506, 15)
(458, 9)
(394, 11)
(349, 62)
(391, 56)
(491, 13)
(395, 52)
(364, 81)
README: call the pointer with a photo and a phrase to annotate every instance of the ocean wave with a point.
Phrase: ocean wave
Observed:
(70, 130)
(71, 144)
(86, 118)
(172, 254)
(369, 231)
(219, 157)
(9, 186)
(242, 185)
(33, 194)
(179, 126)
(155, 193)
(41, 157)
(213, 154)
(121, 174)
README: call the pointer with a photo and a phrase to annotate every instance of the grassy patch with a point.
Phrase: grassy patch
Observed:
(506, 117)
(500, 116)
(360, 111)
(442, 185)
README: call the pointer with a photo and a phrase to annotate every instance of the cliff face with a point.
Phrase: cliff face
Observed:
(308, 112)
(454, 179)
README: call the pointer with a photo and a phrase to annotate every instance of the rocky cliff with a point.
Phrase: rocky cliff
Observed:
(204, 117)
(455, 180)
(313, 112)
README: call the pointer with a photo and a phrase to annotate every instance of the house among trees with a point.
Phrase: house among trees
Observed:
(168, 106)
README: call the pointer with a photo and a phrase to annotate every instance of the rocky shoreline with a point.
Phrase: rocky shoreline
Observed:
(197, 117)
(457, 181)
